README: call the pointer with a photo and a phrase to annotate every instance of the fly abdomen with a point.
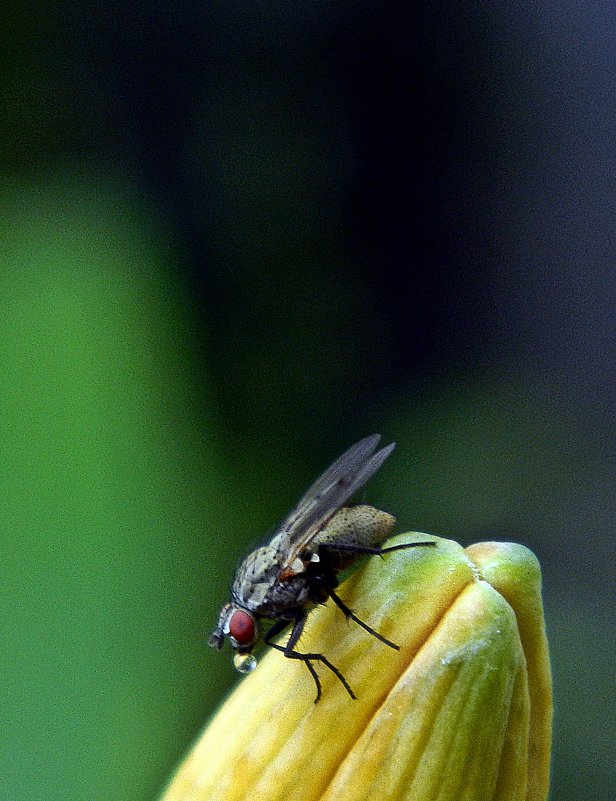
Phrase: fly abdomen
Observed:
(360, 525)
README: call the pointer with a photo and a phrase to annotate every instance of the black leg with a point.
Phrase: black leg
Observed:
(287, 650)
(341, 605)
(279, 626)
(364, 549)
(376, 551)
(315, 676)
(276, 629)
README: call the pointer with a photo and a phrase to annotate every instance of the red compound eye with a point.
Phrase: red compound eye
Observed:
(242, 627)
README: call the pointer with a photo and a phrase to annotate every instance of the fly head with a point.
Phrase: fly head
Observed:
(240, 627)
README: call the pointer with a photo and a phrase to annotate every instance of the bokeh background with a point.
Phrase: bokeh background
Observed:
(236, 237)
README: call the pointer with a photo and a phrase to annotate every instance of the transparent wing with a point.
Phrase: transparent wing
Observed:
(328, 493)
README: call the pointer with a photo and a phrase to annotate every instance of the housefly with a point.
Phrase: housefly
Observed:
(298, 569)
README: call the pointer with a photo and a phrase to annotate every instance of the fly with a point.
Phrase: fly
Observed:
(298, 569)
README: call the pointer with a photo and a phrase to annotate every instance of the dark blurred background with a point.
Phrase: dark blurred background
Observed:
(237, 237)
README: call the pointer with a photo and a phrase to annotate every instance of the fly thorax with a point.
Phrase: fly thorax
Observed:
(255, 577)
(289, 594)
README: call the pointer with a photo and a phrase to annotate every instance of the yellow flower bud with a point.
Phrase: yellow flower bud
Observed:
(461, 713)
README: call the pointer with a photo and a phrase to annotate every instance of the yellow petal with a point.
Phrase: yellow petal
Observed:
(514, 571)
(457, 691)
(446, 717)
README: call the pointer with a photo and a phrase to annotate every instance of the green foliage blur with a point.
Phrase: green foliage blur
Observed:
(191, 329)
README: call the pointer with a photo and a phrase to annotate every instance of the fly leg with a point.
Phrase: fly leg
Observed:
(307, 659)
(363, 549)
(374, 551)
(276, 629)
(350, 614)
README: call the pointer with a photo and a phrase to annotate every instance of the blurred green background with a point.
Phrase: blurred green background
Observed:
(235, 238)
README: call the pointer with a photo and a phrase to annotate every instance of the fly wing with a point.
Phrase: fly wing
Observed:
(328, 493)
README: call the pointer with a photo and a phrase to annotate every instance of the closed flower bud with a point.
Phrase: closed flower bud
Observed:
(462, 712)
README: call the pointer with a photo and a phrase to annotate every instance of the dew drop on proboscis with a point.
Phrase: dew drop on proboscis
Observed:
(244, 663)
